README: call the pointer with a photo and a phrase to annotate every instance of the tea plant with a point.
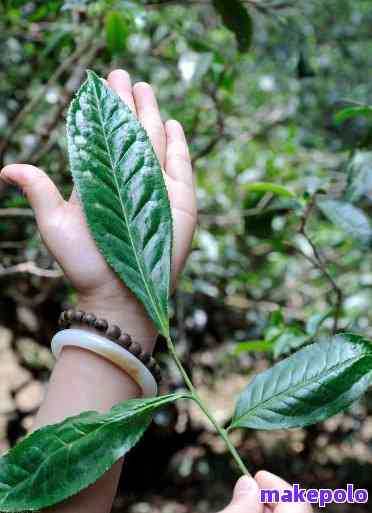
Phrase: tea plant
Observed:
(121, 187)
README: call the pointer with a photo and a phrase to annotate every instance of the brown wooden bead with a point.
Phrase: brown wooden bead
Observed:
(113, 332)
(151, 364)
(135, 348)
(70, 314)
(157, 372)
(144, 357)
(89, 319)
(62, 319)
(78, 317)
(101, 325)
(125, 340)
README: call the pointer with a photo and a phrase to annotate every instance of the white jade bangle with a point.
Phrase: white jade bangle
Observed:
(109, 350)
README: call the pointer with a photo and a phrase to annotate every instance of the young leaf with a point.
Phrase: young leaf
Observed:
(277, 318)
(237, 19)
(352, 220)
(58, 461)
(274, 188)
(116, 27)
(307, 387)
(290, 339)
(124, 198)
(252, 346)
(315, 322)
(353, 112)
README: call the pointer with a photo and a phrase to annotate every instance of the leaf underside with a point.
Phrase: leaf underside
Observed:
(307, 387)
(352, 220)
(359, 176)
(58, 461)
(123, 194)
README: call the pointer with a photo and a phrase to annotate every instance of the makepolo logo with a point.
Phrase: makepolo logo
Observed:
(322, 497)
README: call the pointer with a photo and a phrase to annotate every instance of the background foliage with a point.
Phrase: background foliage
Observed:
(258, 94)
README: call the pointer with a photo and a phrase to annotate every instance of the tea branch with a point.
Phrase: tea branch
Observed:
(195, 396)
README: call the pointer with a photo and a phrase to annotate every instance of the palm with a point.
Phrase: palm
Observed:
(85, 266)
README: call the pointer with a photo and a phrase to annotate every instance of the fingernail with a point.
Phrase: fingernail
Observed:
(173, 123)
(142, 85)
(245, 485)
(270, 475)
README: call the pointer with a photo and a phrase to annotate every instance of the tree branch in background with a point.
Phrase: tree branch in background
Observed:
(30, 268)
(16, 212)
(257, 4)
(319, 262)
(44, 140)
(27, 109)
(203, 152)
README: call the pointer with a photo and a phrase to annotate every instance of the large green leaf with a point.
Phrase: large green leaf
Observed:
(58, 461)
(237, 19)
(352, 220)
(311, 385)
(124, 198)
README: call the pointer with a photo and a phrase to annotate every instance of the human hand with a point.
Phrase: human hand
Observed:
(246, 496)
(63, 228)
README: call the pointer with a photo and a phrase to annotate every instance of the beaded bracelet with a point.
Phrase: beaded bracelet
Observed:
(114, 333)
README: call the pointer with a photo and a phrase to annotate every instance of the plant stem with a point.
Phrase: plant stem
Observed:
(195, 396)
(321, 264)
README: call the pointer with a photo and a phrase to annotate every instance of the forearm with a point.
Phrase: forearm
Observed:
(84, 381)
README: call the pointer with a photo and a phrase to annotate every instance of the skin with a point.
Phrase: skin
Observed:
(62, 226)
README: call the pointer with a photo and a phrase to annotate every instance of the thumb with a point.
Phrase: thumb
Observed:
(245, 497)
(39, 189)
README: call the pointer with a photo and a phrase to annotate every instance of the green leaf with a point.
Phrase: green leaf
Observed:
(264, 187)
(315, 321)
(290, 339)
(122, 190)
(352, 220)
(311, 385)
(276, 318)
(58, 461)
(116, 28)
(359, 177)
(353, 112)
(252, 346)
(238, 20)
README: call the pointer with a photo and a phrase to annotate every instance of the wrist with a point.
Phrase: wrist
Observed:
(127, 313)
